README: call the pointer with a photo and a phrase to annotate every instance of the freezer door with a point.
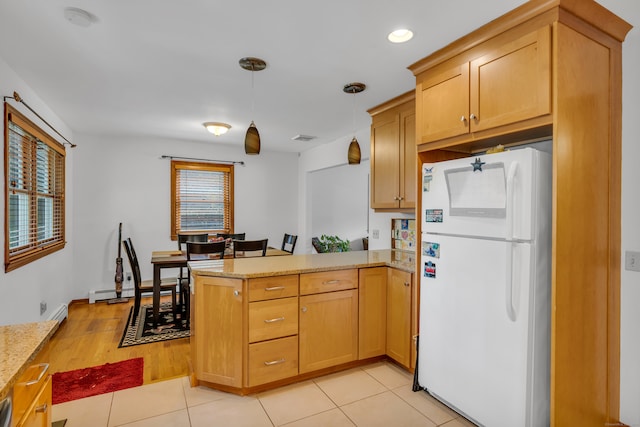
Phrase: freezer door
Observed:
(495, 195)
(477, 329)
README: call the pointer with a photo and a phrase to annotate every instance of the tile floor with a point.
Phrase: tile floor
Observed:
(373, 395)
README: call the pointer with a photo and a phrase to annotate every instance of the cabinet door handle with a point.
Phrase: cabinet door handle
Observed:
(42, 408)
(407, 284)
(274, 288)
(473, 117)
(275, 362)
(331, 282)
(463, 119)
(236, 293)
(400, 198)
(303, 309)
(277, 319)
(44, 367)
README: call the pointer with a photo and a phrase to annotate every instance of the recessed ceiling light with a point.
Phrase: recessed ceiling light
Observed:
(400, 36)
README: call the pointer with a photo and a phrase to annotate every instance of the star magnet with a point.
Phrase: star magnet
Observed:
(477, 165)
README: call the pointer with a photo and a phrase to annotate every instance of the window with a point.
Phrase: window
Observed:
(34, 197)
(201, 198)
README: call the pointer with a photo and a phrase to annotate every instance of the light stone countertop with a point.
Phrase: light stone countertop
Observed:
(19, 345)
(246, 268)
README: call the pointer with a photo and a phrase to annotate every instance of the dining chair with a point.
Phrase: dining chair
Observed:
(197, 248)
(289, 242)
(249, 246)
(146, 286)
(182, 240)
(236, 236)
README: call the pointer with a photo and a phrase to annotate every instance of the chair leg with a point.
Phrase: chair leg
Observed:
(187, 306)
(136, 309)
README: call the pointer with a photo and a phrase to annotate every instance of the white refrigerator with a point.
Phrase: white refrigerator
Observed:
(485, 286)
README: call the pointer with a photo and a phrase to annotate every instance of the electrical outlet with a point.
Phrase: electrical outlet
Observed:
(632, 261)
(128, 277)
(376, 234)
(43, 308)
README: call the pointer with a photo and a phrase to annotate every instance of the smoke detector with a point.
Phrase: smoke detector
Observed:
(79, 17)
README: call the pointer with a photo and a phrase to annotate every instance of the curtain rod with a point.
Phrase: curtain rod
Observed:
(231, 162)
(17, 98)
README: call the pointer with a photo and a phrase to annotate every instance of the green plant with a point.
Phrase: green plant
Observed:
(333, 244)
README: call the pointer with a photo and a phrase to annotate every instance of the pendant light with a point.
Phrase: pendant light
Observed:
(252, 138)
(353, 155)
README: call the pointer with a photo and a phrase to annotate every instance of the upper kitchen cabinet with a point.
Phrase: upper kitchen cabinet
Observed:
(500, 86)
(549, 69)
(393, 154)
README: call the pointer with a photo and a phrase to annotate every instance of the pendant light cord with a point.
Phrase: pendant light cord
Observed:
(253, 95)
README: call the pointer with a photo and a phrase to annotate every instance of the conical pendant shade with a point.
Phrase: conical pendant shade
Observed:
(354, 152)
(252, 141)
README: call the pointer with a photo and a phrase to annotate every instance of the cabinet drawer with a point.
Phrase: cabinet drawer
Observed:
(39, 413)
(328, 281)
(273, 287)
(26, 389)
(273, 319)
(273, 360)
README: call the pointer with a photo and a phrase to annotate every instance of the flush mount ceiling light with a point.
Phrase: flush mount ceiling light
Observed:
(79, 17)
(217, 128)
(252, 138)
(400, 36)
(353, 155)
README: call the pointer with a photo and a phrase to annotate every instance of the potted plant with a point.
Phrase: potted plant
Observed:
(333, 244)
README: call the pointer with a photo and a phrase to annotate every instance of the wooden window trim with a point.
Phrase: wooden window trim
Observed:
(183, 165)
(37, 250)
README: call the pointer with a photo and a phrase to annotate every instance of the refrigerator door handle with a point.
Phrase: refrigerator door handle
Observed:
(511, 177)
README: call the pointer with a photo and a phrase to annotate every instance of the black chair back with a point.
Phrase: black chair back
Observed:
(237, 236)
(250, 246)
(184, 238)
(289, 242)
(210, 248)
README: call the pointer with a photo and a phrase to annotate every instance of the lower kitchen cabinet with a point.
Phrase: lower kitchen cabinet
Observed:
(32, 398)
(372, 312)
(328, 329)
(399, 334)
(273, 360)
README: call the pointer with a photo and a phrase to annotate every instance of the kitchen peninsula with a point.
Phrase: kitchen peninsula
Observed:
(260, 323)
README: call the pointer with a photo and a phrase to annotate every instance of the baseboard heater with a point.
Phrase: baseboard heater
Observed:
(96, 295)
(60, 314)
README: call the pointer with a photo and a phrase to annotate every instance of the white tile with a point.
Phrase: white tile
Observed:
(236, 412)
(349, 386)
(384, 410)
(147, 401)
(459, 422)
(173, 419)
(332, 418)
(199, 395)
(294, 402)
(427, 405)
(389, 374)
(90, 411)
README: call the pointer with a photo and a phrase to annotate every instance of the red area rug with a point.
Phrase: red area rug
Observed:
(96, 380)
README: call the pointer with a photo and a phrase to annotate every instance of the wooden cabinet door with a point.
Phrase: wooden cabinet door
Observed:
(399, 316)
(408, 157)
(442, 104)
(512, 83)
(372, 312)
(39, 413)
(218, 325)
(328, 331)
(385, 160)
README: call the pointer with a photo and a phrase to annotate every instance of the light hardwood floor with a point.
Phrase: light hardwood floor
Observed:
(90, 337)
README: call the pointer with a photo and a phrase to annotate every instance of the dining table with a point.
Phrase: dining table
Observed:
(164, 259)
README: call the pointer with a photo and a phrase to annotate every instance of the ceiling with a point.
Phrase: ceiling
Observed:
(160, 68)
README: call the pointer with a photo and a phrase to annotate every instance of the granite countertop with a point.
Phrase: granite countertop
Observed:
(19, 345)
(246, 268)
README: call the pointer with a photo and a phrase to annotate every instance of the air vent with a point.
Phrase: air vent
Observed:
(303, 138)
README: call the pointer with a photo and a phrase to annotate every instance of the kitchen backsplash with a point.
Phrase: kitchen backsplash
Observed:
(403, 234)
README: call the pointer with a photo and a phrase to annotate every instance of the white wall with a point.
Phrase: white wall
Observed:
(125, 180)
(47, 279)
(629, 10)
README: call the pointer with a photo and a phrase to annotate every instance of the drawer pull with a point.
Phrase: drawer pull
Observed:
(42, 408)
(331, 282)
(274, 288)
(275, 362)
(44, 367)
(277, 319)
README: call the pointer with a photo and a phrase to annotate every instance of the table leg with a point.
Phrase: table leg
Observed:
(156, 294)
